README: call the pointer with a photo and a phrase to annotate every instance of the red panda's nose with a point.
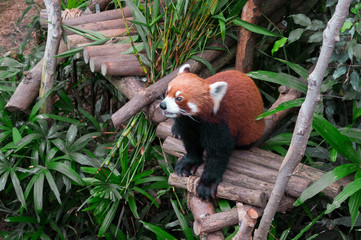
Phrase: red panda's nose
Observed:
(163, 105)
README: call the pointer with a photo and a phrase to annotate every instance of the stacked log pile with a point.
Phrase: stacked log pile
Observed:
(108, 58)
(249, 179)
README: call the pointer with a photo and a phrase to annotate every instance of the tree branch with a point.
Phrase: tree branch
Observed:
(53, 9)
(304, 121)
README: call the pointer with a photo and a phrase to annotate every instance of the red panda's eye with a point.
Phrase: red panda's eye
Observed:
(178, 99)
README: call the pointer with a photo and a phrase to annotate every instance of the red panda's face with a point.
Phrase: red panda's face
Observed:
(191, 95)
(184, 96)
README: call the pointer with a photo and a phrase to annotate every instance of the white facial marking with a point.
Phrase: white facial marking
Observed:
(185, 66)
(217, 91)
(172, 109)
(178, 93)
(169, 88)
(193, 107)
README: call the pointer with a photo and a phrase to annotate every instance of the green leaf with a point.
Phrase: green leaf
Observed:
(316, 37)
(325, 181)
(355, 80)
(182, 221)
(66, 170)
(21, 219)
(280, 78)
(57, 117)
(26, 140)
(332, 136)
(10, 62)
(52, 185)
(133, 206)
(41, 101)
(18, 190)
(254, 28)
(346, 25)
(295, 35)
(357, 51)
(160, 233)
(8, 73)
(205, 63)
(16, 135)
(354, 204)
(297, 68)
(108, 219)
(333, 155)
(281, 107)
(38, 192)
(301, 19)
(348, 191)
(278, 44)
(70, 135)
(3, 179)
(90, 118)
(141, 191)
(352, 133)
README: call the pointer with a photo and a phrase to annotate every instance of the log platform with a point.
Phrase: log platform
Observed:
(248, 179)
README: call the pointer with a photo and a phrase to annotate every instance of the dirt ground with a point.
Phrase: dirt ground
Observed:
(11, 34)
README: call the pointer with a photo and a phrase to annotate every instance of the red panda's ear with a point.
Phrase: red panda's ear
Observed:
(217, 91)
(186, 68)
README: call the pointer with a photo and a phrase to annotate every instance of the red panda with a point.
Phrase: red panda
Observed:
(215, 114)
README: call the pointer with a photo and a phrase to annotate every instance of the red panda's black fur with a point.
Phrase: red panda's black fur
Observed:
(217, 130)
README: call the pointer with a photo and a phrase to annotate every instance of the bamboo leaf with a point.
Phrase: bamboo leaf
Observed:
(280, 78)
(160, 233)
(133, 206)
(281, 107)
(182, 221)
(326, 180)
(90, 118)
(108, 219)
(254, 28)
(65, 170)
(21, 219)
(52, 185)
(16, 135)
(205, 63)
(348, 191)
(70, 135)
(297, 68)
(18, 190)
(332, 136)
(38, 191)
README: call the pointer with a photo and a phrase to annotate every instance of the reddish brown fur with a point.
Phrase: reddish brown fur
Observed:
(239, 107)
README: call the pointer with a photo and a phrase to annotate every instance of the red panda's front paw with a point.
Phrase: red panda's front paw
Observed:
(184, 167)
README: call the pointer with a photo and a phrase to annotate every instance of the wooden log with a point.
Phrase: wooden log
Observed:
(102, 4)
(105, 50)
(247, 216)
(122, 60)
(119, 68)
(95, 17)
(224, 190)
(129, 87)
(101, 26)
(75, 39)
(201, 209)
(300, 180)
(28, 89)
(157, 89)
